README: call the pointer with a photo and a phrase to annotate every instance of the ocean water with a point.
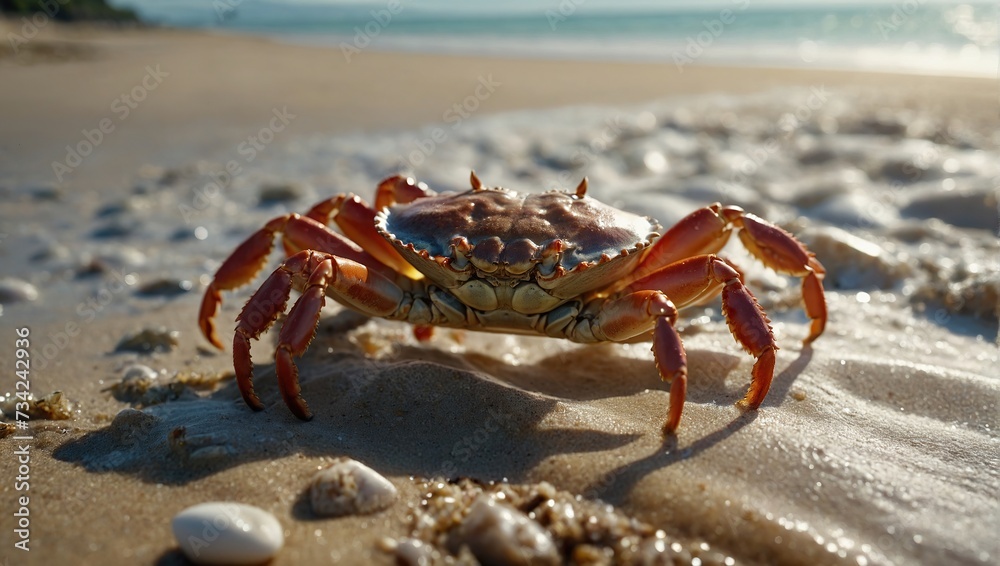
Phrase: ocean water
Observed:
(909, 36)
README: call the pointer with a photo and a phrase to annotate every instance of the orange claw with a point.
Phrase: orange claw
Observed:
(399, 189)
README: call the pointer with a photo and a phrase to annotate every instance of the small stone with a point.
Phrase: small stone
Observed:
(136, 381)
(131, 426)
(852, 262)
(149, 340)
(54, 407)
(412, 552)
(222, 532)
(44, 193)
(15, 291)
(349, 487)
(165, 287)
(974, 208)
(279, 192)
(499, 534)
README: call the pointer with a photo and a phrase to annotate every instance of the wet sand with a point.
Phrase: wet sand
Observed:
(873, 447)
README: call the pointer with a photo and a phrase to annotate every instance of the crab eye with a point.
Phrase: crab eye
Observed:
(486, 254)
(519, 256)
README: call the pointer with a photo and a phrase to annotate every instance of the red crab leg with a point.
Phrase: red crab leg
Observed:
(343, 279)
(357, 221)
(687, 281)
(399, 189)
(249, 258)
(634, 314)
(706, 231)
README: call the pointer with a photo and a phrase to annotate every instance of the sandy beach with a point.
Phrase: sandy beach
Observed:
(877, 445)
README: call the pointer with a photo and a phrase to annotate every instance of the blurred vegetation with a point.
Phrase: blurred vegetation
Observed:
(69, 10)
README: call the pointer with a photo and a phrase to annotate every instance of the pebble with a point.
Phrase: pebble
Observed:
(222, 532)
(165, 287)
(856, 209)
(136, 381)
(852, 262)
(55, 406)
(976, 208)
(280, 192)
(15, 291)
(412, 552)
(131, 427)
(349, 487)
(149, 340)
(499, 534)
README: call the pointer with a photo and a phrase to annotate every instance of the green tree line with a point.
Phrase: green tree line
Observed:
(68, 10)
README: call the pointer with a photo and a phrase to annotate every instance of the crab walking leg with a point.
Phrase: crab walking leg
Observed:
(248, 259)
(343, 279)
(686, 281)
(706, 231)
(634, 314)
(400, 190)
(780, 251)
(357, 221)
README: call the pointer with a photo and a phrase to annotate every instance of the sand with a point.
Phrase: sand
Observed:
(878, 445)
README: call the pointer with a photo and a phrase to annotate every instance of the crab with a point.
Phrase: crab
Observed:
(559, 264)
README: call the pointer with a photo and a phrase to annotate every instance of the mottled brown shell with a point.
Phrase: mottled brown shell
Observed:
(559, 235)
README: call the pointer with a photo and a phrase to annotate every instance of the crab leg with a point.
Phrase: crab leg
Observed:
(706, 231)
(345, 280)
(687, 281)
(634, 314)
(357, 221)
(248, 259)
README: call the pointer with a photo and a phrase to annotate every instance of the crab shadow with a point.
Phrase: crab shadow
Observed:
(421, 411)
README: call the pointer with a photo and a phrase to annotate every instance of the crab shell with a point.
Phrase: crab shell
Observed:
(496, 249)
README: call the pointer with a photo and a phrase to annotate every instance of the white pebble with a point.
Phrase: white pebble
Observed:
(222, 532)
(139, 372)
(412, 552)
(499, 534)
(349, 487)
(15, 290)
